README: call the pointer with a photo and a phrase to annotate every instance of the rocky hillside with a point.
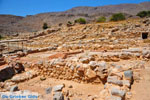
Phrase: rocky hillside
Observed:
(16, 24)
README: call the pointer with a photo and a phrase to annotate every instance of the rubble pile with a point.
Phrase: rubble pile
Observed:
(118, 84)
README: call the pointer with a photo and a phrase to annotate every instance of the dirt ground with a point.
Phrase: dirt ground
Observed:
(78, 90)
(141, 90)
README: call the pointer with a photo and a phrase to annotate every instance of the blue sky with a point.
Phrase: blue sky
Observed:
(31, 7)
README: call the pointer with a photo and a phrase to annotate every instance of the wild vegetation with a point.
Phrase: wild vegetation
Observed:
(45, 26)
(101, 19)
(80, 21)
(143, 14)
(117, 17)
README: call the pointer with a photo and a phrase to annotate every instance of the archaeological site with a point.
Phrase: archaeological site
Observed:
(73, 56)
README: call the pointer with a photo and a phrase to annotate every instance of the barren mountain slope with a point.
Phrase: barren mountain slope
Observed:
(14, 24)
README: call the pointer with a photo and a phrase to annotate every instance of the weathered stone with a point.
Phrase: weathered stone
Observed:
(42, 78)
(132, 50)
(93, 64)
(58, 96)
(85, 66)
(58, 61)
(125, 55)
(90, 73)
(146, 53)
(80, 71)
(128, 74)
(84, 60)
(117, 92)
(20, 53)
(114, 80)
(118, 74)
(70, 86)
(48, 90)
(16, 79)
(126, 83)
(58, 88)
(102, 66)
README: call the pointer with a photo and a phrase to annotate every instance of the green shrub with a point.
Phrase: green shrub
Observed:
(148, 13)
(45, 26)
(80, 20)
(142, 14)
(101, 19)
(117, 17)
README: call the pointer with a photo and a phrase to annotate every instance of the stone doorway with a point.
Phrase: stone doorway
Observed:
(144, 35)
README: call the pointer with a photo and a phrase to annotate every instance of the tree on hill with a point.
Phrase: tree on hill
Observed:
(148, 13)
(117, 17)
(101, 19)
(45, 26)
(80, 20)
(142, 14)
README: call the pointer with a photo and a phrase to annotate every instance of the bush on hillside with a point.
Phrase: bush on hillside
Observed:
(148, 13)
(117, 17)
(45, 26)
(142, 14)
(80, 20)
(101, 19)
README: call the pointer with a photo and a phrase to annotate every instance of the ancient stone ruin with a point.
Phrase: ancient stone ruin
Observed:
(80, 62)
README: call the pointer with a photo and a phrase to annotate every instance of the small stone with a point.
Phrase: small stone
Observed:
(84, 60)
(58, 96)
(90, 73)
(70, 86)
(42, 78)
(117, 92)
(128, 74)
(114, 80)
(48, 90)
(16, 79)
(93, 64)
(58, 88)
(102, 66)
(126, 83)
